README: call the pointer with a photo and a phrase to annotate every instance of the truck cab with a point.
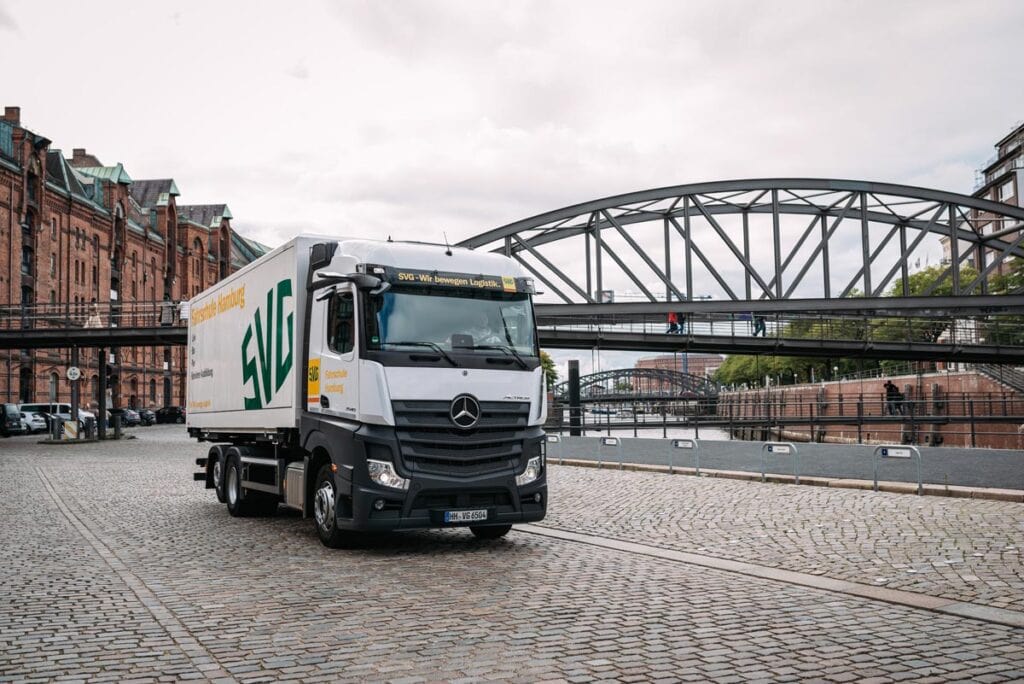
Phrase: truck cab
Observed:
(420, 403)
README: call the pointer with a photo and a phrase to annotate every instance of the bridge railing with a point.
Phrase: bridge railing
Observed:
(957, 418)
(135, 314)
(987, 329)
(805, 403)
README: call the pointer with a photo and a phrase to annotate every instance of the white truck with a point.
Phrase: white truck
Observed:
(373, 386)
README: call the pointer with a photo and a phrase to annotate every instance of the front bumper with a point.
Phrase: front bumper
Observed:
(429, 496)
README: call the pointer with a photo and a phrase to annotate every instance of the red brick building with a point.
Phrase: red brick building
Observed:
(74, 231)
(1001, 179)
(703, 365)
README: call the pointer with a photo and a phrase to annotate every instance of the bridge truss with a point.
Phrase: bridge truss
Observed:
(767, 242)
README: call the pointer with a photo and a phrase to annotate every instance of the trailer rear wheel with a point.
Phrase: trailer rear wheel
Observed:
(489, 531)
(238, 505)
(217, 475)
(325, 511)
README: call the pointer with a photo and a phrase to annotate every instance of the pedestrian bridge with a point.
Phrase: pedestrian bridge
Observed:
(834, 267)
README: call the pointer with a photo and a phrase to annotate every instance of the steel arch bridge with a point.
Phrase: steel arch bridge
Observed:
(790, 244)
(639, 384)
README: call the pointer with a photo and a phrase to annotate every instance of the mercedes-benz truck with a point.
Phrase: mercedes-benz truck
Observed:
(371, 385)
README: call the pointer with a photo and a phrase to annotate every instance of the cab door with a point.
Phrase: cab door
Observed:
(332, 382)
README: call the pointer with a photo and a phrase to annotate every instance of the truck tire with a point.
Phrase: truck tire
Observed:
(325, 498)
(217, 472)
(242, 503)
(489, 531)
(234, 496)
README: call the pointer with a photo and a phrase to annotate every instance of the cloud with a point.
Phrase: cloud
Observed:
(298, 70)
(7, 21)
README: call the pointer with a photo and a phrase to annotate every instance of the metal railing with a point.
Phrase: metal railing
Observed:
(953, 331)
(135, 314)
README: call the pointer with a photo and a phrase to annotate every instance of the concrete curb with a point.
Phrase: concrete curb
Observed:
(958, 492)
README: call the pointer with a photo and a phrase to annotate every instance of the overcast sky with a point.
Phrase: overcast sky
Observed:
(410, 118)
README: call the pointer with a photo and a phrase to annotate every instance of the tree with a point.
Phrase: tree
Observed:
(550, 372)
(919, 329)
(1006, 329)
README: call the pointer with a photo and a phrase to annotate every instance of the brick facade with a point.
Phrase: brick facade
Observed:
(74, 232)
(703, 365)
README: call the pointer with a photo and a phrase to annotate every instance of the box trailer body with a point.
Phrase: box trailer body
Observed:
(372, 385)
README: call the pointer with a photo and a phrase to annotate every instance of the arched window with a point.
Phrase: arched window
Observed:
(152, 391)
(25, 384)
(54, 386)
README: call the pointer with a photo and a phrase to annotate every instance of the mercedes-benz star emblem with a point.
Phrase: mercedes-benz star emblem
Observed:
(465, 411)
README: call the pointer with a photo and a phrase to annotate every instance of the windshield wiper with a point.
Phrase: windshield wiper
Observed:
(433, 345)
(508, 350)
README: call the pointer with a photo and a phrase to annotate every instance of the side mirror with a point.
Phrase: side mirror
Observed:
(363, 281)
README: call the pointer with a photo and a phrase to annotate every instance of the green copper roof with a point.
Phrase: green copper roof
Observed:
(114, 174)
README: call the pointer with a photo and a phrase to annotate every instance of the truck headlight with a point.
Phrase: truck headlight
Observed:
(383, 473)
(532, 472)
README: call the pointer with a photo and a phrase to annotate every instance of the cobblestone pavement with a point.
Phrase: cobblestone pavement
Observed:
(116, 566)
(962, 549)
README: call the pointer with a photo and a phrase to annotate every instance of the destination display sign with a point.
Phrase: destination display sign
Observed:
(465, 281)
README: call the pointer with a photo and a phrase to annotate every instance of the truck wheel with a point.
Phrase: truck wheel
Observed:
(325, 498)
(489, 531)
(237, 504)
(218, 477)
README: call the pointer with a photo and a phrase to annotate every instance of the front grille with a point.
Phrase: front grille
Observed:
(431, 443)
(462, 500)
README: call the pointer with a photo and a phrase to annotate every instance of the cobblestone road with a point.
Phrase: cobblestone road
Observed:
(116, 566)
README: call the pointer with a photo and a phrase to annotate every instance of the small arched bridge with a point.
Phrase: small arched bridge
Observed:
(639, 384)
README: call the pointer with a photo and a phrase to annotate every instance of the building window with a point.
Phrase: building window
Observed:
(152, 391)
(53, 296)
(1006, 191)
(96, 242)
(26, 260)
(54, 380)
(53, 265)
(53, 228)
(95, 276)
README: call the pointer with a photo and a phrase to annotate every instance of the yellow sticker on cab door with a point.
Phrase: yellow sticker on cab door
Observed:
(313, 381)
(508, 284)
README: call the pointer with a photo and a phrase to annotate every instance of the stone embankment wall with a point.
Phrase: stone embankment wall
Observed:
(922, 417)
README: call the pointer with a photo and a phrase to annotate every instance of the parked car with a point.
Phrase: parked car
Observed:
(34, 422)
(10, 420)
(170, 414)
(129, 417)
(147, 417)
(61, 418)
(63, 411)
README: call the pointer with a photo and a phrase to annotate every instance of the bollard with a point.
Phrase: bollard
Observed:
(692, 444)
(779, 448)
(117, 426)
(893, 451)
(557, 439)
(609, 441)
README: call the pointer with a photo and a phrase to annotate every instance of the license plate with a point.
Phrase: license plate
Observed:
(465, 516)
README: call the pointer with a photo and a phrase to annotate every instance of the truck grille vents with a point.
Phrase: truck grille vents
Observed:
(430, 443)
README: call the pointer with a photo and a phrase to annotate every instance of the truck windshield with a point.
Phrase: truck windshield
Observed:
(476, 322)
